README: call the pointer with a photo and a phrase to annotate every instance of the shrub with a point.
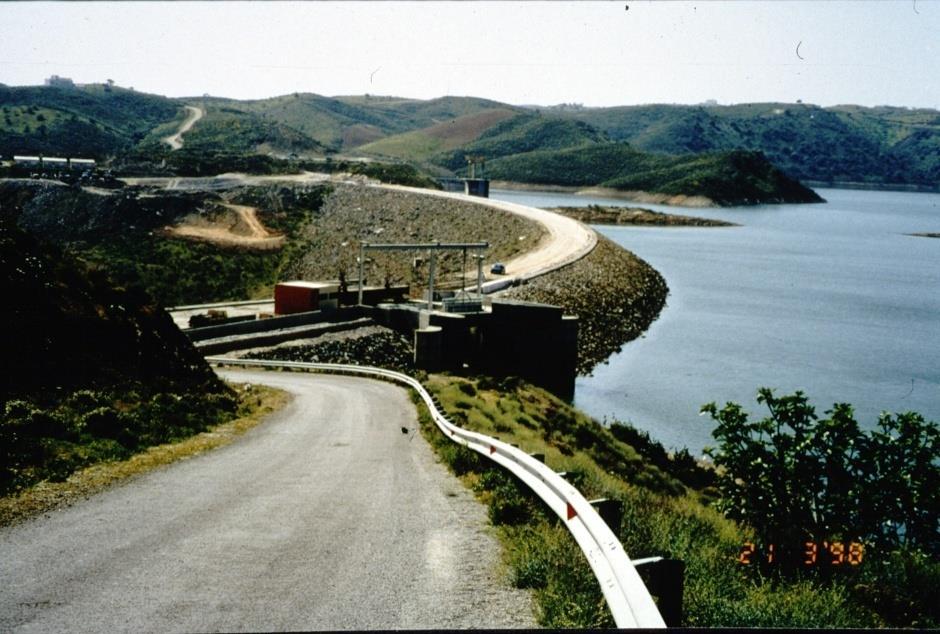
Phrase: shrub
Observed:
(796, 478)
(467, 388)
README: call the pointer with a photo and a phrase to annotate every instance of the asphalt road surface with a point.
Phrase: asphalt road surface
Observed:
(326, 516)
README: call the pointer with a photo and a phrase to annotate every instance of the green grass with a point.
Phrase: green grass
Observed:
(49, 441)
(81, 463)
(662, 516)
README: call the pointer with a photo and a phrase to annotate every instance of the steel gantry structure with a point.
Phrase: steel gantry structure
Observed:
(433, 247)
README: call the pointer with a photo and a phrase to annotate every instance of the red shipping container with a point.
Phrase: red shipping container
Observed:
(296, 297)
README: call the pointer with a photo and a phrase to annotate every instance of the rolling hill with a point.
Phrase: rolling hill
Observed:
(421, 145)
(737, 177)
(91, 121)
(882, 145)
(343, 123)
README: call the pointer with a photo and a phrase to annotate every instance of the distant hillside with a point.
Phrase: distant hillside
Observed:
(89, 121)
(726, 178)
(226, 129)
(66, 328)
(525, 133)
(420, 145)
(841, 143)
(343, 123)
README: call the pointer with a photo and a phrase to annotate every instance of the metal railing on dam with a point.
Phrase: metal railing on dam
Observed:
(629, 600)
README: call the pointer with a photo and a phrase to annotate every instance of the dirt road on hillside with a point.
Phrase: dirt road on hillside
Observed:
(244, 229)
(175, 141)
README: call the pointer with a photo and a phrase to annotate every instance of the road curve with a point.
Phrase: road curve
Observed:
(175, 141)
(568, 240)
(325, 517)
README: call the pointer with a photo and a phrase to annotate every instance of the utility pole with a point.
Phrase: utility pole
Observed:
(361, 258)
(431, 280)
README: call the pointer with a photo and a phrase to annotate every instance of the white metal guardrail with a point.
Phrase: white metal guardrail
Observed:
(630, 602)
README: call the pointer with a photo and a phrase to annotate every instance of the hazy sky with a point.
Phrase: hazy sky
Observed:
(598, 54)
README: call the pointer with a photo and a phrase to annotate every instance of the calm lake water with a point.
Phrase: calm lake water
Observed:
(832, 299)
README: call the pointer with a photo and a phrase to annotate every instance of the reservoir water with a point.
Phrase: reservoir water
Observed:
(833, 299)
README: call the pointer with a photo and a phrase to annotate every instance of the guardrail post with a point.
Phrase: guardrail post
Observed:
(665, 580)
(611, 511)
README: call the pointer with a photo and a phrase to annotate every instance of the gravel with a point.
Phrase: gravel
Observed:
(616, 295)
(353, 213)
(371, 345)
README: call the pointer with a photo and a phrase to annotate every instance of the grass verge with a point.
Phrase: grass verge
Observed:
(255, 402)
(662, 516)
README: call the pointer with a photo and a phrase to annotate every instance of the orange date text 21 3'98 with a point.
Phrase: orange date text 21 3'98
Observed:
(823, 553)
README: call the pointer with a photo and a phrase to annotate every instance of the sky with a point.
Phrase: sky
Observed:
(539, 53)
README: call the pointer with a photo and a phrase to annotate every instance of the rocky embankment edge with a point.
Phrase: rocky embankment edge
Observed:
(676, 200)
(615, 294)
(598, 215)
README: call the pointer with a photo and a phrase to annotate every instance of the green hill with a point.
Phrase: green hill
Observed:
(524, 133)
(727, 178)
(232, 130)
(842, 143)
(89, 121)
(877, 146)
(343, 123)
(421, 145)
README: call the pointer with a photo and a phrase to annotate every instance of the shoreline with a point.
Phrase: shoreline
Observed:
(615, 294)
(874, 187)
(673, 200)
(635, 216)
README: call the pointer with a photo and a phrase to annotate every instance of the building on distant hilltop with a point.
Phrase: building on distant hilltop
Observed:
(27, 161)
(61, 82)
(82, 165)
(55, 163)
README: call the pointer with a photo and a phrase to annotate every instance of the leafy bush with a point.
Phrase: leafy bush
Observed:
(797, 478)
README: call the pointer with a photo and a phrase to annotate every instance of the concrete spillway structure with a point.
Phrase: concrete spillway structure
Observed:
(536, 342)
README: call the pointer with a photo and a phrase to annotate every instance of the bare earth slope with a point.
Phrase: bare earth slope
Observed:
(239, 228)
(326, 517)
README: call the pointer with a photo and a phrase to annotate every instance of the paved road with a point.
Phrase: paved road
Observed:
(324, 517)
